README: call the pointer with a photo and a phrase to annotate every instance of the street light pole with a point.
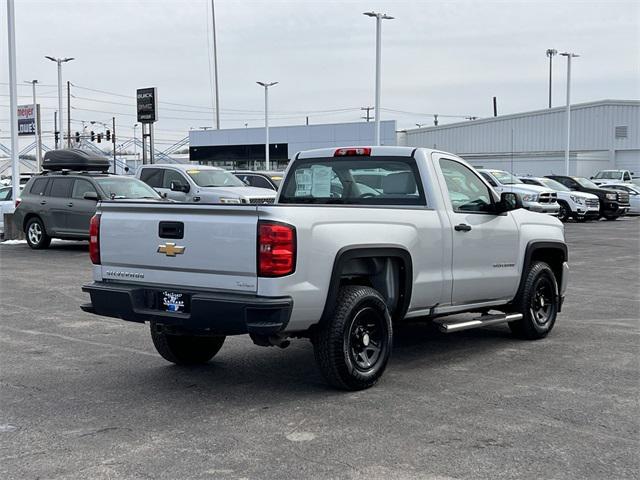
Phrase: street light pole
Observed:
(215, 64)
(135, 145)
(266, 86)
(60, 61)
(569, 56)
(550, 53)
(13, 101)
(379, 17)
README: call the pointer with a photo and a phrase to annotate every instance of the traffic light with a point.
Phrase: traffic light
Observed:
(108, 135)
(57, 136)
(99, 137)
(77, 137)
(113, 138)
(93, 135)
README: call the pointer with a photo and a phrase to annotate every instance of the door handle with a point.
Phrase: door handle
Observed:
(70, 204)
(43, 202)
(463, 227)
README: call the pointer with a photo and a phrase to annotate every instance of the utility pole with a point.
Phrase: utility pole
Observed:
(68, 114)
(495, 106)
(36, 114)
(367, 117)
(379, 17)
(435, 119)
(550, 53)
(113, 140)
(13, 101)
(215, 64)
(569, 56)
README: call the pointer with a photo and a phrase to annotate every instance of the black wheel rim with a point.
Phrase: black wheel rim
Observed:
(542, 302)
(366, 339)
(563, 213)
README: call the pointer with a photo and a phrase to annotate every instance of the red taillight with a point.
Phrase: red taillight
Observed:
(94, 239)
(353, 152)
(276, 249)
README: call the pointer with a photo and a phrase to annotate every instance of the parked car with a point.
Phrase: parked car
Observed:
(337, 268)
(60, 202)
(534, 198)
(612, 176)
(634, 195)
(7, 205)
(263, 179)
(613, 204)
(201, 183)
(577, 205)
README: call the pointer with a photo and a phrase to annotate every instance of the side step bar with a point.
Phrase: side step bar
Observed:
(483, 321)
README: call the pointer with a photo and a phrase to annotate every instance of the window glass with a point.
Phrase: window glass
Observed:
(505, 178)
(214, 178)
(80, 187)
(585, 183)
(173, 176)
(39, 186)
(348, 181)
(553, 185)
(488, 178)
(126, 187)
(152, 177)
(466, 191)
(61, 187)
(627, 177)
(258, 181)
(5, 194)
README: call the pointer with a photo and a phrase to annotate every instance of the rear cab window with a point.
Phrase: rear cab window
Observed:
(354, 181)
(152, 177)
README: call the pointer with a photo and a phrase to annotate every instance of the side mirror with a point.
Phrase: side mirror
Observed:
(591, 178)
(90, 196)
(179, 187)
(508, 201)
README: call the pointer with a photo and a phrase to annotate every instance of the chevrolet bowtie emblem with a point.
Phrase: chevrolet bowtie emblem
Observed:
(170, 249)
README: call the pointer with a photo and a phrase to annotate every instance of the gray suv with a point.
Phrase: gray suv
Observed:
(61, 204)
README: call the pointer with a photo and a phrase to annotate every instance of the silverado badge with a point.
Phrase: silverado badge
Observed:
(170, 249)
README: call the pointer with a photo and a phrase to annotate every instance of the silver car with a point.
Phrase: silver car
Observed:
(201, 183)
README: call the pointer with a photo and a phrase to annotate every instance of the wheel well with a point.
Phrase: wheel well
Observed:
(389, 271)
(28, 217)
(554, 257)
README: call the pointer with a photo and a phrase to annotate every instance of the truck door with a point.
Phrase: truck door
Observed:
(485, 245)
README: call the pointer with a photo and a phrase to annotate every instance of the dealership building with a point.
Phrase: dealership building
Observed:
(244, 148)
(604, 135)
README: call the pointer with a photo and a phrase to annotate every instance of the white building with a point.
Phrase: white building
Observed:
(244, 147)
(604, 134)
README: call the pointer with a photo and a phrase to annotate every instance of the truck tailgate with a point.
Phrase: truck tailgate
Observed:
(142, 242)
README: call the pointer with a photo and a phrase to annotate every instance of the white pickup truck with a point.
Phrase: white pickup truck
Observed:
(359, 238)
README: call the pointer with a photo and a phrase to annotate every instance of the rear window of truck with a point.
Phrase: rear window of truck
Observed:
(354, 181)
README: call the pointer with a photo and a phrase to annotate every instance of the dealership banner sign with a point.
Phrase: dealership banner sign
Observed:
(147, 105)
(26, 120)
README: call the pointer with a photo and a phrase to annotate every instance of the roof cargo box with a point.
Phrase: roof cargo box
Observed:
(74, 159)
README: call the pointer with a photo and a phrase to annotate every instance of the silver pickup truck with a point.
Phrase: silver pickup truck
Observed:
(359, 238)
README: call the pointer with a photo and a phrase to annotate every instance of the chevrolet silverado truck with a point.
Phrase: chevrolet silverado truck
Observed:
(335, 259)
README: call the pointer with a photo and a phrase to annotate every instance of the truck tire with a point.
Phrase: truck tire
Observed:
(36, 234)
(611, 217)
(352, 346)
(185, 349)
(564, 214)
(538, 303)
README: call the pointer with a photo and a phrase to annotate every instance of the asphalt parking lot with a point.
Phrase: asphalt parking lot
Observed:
(85, 397)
